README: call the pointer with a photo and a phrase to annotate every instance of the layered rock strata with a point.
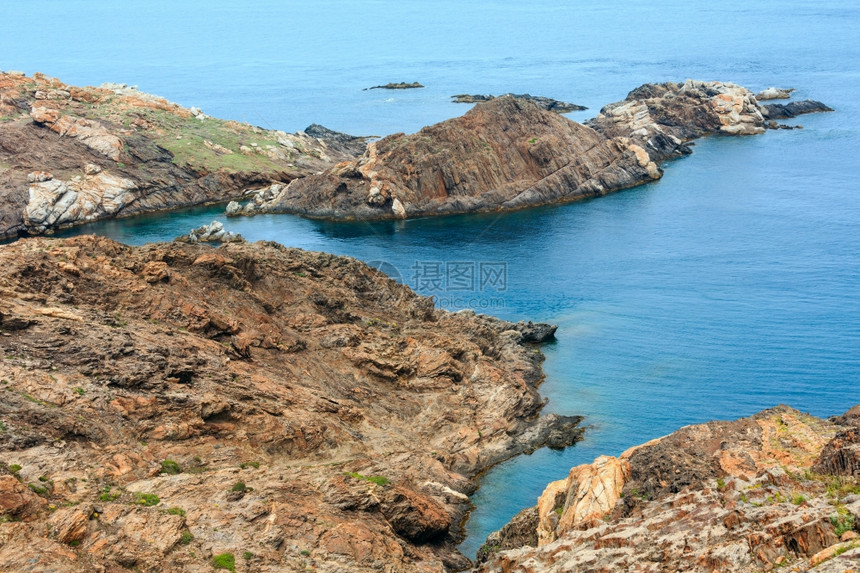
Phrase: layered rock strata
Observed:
(71, 155)
(509, 153)
(167, 404)
(778, 489)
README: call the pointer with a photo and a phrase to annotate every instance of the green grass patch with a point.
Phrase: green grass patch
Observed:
(378, 480)
(186, 538)
(146, 499)
(224, 561)
(170, 467)
(239, 486)
(176, 511)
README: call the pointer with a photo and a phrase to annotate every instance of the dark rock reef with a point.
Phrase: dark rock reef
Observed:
(396, 86)
(510, 153)
(548, 104)
(165, 404)
(71, 155)
(778, 489)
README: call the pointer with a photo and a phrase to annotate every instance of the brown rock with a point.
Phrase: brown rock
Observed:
(70, 524)
(412, 515)
(504, 154)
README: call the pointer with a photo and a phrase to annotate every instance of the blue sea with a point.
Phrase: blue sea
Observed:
(731, 285)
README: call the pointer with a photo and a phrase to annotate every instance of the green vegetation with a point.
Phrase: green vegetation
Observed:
(146, 499)
(843, 521)
(247, 555)
(255, 465)
(37, 489)
(533, 140)
(14, 468)
(106, 494)
(305, 552)
(79, 391)
(559, 510)
(170, 467)
(721, 483)
(187, 537)
(239, 486)
(797, 498)
(176, 511)
(224, 561)
(378, 480)
(2, 427)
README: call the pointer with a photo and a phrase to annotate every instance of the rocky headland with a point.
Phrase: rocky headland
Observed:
(70, 155)
(777, 490)
(169, 404)
(510, 153)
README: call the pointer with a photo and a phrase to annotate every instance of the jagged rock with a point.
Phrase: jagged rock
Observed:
(774, 93)
(91, 124)
(355, 414)
(841, 456)
(503, 154)
(793, 109)
(536, 332)
(214, 232)
(548, 104)
(711, 497)
(396, 86)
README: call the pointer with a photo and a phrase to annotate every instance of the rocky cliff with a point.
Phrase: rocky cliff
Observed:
(778, 489)
(69, 155)
(510, 153)
(177, 407)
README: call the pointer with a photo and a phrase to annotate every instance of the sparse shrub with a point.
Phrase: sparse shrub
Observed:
(146, 499)
(187, 537)
(170, 467)
(238, 486)
(37, 489)
(176, 511)
(224, 561)
(797, 498)
(247, 555)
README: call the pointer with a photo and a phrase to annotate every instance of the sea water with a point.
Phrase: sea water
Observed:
(730, 285)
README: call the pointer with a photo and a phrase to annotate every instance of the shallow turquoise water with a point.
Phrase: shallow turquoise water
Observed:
(731, 285)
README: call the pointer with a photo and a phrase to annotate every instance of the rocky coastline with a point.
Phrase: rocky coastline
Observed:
(777, 490)
(510, 153)
(71, 155)
(170, 403)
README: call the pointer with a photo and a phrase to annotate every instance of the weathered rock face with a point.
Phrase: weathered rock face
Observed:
(722, 496)
(164, 404)
(508, 153)
(504, 154)
(115, 151)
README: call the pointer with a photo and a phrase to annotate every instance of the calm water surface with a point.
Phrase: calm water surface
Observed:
(731, 285)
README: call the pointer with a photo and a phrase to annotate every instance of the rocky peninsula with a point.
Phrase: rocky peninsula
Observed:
(70, 155)
(510, 153)
(780, 489)
(169, 404)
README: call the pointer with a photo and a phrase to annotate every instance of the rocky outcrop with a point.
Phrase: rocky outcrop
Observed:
(548, 104)
(214, 232)
(169, 403)
(396, 86)
(510, 153)
(766, 491)
(504, 154)
(71, 155)
(774, 93)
